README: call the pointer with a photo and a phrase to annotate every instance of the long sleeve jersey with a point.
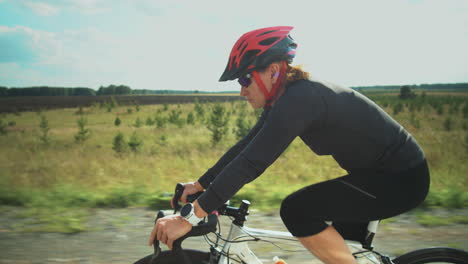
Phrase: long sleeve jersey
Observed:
(331, 120)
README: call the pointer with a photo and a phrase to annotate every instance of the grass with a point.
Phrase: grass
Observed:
(430, 220)
(64, 174)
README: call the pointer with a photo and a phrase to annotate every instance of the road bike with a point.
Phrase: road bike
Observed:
(234, 247)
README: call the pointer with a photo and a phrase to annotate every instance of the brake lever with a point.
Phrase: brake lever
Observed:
(156, 247)
(200, 230)
(179, 190)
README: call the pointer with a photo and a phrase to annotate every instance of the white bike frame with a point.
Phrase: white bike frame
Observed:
(242, 251)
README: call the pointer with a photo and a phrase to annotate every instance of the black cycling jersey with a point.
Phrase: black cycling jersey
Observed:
(331, 120)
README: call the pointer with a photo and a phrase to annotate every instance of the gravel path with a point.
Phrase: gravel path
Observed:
(120, 236)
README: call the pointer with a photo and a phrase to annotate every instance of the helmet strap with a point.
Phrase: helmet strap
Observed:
(269, 95)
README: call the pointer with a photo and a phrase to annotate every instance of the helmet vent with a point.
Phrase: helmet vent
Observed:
(240, 45)
(251, 53)
(266, 32)
(243, 49)
(268, 41)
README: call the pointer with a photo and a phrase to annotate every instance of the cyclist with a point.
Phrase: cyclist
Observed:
(387, 170)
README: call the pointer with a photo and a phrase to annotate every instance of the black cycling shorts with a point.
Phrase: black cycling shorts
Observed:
(357, 198)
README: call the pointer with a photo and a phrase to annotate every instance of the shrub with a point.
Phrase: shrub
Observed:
(159, 201)
(414, 121)
(79, 111)
(397, 108)
(135, 142)
(138, 122)
(218, 123)
(439, 109)
(242, 125)
(117, 121)
(83, 133)
(3, 126)
(406, 93)
(129, 111)
(118, 144)
(12, 123)
(190, 118)
(163, 140)
(448, 124)
(121, 197)
(465, 111)
(160, 121)
(149, 121)
(44, 127)
(199, 110)
(174, 117)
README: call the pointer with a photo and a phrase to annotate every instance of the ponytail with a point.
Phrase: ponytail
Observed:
(295, 73)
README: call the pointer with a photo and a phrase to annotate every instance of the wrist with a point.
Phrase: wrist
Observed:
(188, 213)
(198, 186)
(199, 212)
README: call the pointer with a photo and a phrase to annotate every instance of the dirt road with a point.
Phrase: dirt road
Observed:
(120, 236)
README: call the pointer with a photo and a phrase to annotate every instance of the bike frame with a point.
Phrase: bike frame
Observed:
(243, 252)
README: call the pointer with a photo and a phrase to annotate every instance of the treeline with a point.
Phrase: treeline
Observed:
(46, 91)
(126, 90)
(82, 91)
(435, 86)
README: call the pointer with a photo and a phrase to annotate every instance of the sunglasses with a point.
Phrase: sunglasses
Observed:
(245, 80)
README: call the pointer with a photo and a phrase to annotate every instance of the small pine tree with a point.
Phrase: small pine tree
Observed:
(138, 122)
(440, 109)
(448, 124)
(242, 125)
(465, 110)
(80, 111)
(149, 121)
(135, 142)
(218, 123)
(174, 118)
(44, 126)
(160, 121)
(83, 133)
(397, 108)
(3, 126)
(414, 121)
(190, 119)
(118, 144)
(163, 140)
(199, 110)
(117, 121)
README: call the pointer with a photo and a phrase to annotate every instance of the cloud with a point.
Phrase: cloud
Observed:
(15, 45)
(41, 8)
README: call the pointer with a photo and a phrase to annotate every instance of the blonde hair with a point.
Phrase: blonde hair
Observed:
(295, 73)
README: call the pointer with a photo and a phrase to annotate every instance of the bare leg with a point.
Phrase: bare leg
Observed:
(329, 246)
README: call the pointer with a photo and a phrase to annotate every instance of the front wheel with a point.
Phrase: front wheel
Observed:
(167, 257)
(433, 255)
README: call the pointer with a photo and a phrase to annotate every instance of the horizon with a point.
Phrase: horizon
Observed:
(144, 43)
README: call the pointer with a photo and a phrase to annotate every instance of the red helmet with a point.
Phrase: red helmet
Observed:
(257, 49)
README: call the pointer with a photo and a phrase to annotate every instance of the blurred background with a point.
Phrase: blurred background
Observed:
(106, 105)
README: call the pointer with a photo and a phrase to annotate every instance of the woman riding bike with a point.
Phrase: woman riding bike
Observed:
(387, 170)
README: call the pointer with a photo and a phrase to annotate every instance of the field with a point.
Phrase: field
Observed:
(57, 169)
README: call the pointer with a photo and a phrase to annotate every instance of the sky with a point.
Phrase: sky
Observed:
(184, 45)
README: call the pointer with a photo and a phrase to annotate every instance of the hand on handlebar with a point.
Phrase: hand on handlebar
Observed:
(189, 189)
(168, 229)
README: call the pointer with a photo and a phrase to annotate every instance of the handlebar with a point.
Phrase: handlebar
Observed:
(204, 228)
(179, 189)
